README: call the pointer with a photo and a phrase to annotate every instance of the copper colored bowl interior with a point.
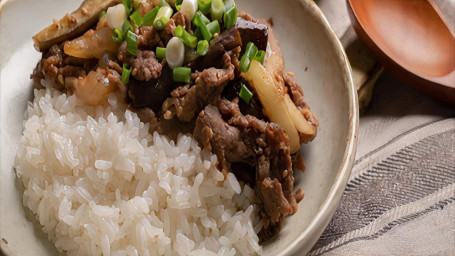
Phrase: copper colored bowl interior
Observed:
(410, 38)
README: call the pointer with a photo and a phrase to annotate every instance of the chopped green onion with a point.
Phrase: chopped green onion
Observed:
(217, 10)
(102, 13)
(126, 27)
(131, 43)
(228, 4)
(179, 2)
(204, 6)
(202, 47)
(260, 55)
(126, 73)
(163, 3)
(250, 53)
(198, 34)
(251, 50)
(117, 35)
(163, 16)
(230, 17)
(160, 52)
(189, 40)
(214, 27)
(182, 74)
(178, 6)
(203, 28)
(179, 31)
(137, 19)
(149, 18)
(128, 6)
(245, 63)
(202, 20)
(245, 94)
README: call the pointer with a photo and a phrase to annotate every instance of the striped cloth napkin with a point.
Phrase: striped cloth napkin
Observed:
(400, 199)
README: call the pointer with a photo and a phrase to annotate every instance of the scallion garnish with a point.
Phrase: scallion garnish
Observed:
(202, 27)
(117, 35)
(250, 53)
(228, 4)
(260, 55)
(102, 13)
(131, 42)
(137, 19)
(245, 63)
(160, 52)
(204, 6)
(178, 2)
(198, 34)
(217, 10)
(245, 94)
(202, 47)
(182, 74)
(164, 3)
(128, 6)
(178, 31)
(188, 39)
(149, 18)
(214, 27)
(126, 73)
(230, 17)
(163, 16)
(126, 27)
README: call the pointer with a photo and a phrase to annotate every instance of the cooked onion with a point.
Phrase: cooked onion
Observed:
(274, 105)
(93, 44)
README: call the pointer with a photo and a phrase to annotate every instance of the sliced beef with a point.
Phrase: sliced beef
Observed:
(296, 93)
(148, 37)
(207, 90)
(145, 65)
(177, 19)
(240, 139)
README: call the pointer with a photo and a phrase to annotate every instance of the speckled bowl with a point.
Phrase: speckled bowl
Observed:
(311, 51)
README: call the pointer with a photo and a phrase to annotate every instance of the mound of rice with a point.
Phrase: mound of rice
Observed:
(101, 184)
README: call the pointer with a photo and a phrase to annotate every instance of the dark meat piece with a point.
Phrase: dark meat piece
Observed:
(253, 108)
(152, 93)
(225, 42)
(73, 71)
(177, 19)
(207, 90)
(264, 146)
(148, 37)
(251, 31)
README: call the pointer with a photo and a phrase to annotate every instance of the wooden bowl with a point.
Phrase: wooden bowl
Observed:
(411, 40)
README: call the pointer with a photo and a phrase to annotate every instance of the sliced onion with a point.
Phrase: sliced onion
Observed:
(189, 9)
(273, 101)
(175, 52)
(116, 16)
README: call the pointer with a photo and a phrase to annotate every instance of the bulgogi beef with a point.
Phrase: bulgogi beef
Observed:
(215, 99)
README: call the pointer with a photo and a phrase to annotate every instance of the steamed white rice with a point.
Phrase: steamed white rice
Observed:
(101, 184)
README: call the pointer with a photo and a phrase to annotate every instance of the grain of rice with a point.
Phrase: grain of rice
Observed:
(100, 184)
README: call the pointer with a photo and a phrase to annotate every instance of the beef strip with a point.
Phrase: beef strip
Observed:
(148, 37)
(145, 65)
(263, 145)
(296, 93)
(176, 20)
(207, 90)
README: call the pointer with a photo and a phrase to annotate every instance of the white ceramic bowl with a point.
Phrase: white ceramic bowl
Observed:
(311, 51)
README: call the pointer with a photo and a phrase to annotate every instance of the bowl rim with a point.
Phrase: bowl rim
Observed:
(330, 204)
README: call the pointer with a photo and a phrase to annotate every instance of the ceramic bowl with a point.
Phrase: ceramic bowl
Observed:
(411, 40)
(311, 51)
